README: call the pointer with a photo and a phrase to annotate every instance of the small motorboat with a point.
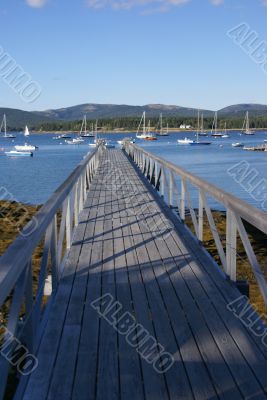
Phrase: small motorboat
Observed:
(225, 136)
(15, 153)
(129, 140)
(109, 145)
(26, 147)
(64, 136)
(185, 141)
(75, 141)
(237, 144)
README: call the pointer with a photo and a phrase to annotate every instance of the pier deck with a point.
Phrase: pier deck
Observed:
(124, 248)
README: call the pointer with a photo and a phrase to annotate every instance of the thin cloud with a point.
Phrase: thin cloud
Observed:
(157, 5)
(36, 3)
(217, 2)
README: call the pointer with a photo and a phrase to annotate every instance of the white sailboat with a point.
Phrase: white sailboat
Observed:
(214, 131)
(83, 131)
(3, 125)
(198, 142)
(26, 131)
(245, 129)
(94, 144)
(162, 132)
(79, 140)
(150, 135)
(202, 133)
(225, 135)
(142, 135)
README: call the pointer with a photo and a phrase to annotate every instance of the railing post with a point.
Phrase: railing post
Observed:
(162, 183)
(171, 189)
(182, 200)
(200, 215)
(76, 204)
(144, 163)
(84, 187)
(156, 174)
(68, 224)
(29, 332)
(151, 169)
(231, 242)
(80, 194)
(54, 253)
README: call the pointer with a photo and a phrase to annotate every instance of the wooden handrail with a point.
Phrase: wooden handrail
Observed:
(14, 260)
(155, 169)
(246, 211)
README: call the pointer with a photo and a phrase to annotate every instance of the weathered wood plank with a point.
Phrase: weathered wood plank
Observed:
(170, 287)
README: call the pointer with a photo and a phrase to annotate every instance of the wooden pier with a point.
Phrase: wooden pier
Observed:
(124, 242)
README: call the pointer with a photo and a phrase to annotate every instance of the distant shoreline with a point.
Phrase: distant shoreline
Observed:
(171, 130)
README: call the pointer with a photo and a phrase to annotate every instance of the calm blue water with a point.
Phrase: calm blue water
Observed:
(32, 180)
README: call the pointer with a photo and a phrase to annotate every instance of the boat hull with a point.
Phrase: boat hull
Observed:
(200, 144)
(19, 154)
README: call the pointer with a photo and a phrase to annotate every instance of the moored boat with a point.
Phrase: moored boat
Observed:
(15, 153)
(3, 125)
(246, 129)
(75, 141)
(237, 144)
(26, 147)
(199, 142)
(185, 141)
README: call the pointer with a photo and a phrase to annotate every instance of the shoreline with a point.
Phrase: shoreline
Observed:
(171, 130)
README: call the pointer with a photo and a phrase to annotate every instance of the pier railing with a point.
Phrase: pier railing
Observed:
(23, 301)
(173, 184)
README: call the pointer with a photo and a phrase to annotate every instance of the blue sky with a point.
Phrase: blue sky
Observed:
(133, 51)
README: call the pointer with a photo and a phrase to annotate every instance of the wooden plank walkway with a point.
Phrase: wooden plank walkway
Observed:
(166, 282)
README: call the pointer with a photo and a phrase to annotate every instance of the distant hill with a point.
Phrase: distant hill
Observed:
(94, 111)
(238, 110)
(17, 119)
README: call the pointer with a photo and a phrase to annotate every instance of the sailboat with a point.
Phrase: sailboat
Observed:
(162, 132)
(95, 142)
(26, 131)
(83, 131)
(202, 133)
(3, 125)
(144, 135)
(150, 135)
(198, 142)
(225, 135)
(245, 129)
(78, 140)
(214, 132)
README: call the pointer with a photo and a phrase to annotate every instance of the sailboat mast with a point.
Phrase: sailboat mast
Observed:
(216, 122)
(161, 123)
(144, 126)
(5, 124)
(197, 124)
(247, 122)
(85, 127)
